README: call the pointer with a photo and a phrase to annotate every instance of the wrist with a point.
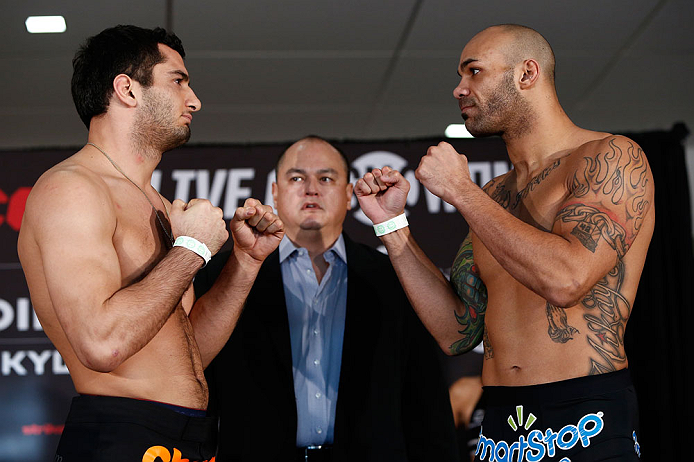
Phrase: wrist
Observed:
(391, 225)
(194, 246)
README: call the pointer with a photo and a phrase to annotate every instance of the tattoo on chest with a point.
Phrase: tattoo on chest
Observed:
(536, 180)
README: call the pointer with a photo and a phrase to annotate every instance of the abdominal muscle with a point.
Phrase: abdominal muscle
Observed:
(519, 350)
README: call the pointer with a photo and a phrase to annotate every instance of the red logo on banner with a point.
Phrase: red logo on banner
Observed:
(15, 207)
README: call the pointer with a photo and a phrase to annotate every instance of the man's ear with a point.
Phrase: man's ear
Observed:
(530, 74)
(349, 191)
(274, 194)
(123, 89)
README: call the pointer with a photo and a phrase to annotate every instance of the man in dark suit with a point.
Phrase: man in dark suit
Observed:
(327, 362)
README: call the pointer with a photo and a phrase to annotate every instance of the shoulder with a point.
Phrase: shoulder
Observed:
(69, 191)
(615, 163)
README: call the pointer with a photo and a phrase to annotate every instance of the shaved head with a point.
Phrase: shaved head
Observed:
(518, 43)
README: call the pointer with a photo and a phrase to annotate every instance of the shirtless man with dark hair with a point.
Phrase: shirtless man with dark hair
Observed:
(109, 262)
(548, 274)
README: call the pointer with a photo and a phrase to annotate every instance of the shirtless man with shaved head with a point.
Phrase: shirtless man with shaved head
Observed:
(548, 274)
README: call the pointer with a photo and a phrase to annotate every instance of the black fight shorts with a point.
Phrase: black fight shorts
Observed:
(586, 419)
(105, 429)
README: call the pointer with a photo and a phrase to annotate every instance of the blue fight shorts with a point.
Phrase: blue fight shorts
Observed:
(587, 419)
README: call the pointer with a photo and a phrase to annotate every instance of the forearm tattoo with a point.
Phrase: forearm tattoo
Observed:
(472, 292)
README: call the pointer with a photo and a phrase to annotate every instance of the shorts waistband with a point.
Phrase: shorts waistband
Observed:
(576, 388)
(169, 422)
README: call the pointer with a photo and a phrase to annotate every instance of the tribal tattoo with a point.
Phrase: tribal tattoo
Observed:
(467, 283)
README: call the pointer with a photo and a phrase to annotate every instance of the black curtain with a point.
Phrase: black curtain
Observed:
(658, 338)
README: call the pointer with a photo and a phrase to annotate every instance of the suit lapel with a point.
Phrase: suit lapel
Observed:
(361, 334)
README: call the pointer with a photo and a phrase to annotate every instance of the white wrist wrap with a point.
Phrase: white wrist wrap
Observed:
(195, 246)
(391, 225)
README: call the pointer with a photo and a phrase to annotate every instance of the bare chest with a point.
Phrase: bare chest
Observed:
(535, 202)
(140, 237)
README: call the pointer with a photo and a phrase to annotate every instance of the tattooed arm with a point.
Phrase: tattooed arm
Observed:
(611, 192)
(456, 323)
(472, 292)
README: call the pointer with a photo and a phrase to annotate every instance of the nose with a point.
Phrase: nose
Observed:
(192, 102)
(461, 89)
(311, 186)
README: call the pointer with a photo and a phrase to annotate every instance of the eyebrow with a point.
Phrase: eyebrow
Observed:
(303, 172)
(465, 63)
(181, 74)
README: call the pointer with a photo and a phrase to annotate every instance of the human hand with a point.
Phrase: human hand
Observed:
(256, 230)
(444, 172)
(382, 194)
(201, 220)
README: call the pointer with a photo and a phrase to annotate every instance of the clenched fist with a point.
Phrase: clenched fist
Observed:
(201, 220)
(444, 172)
(256, 230)
(382, 194)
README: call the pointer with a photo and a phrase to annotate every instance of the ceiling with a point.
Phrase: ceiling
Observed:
(354, 69)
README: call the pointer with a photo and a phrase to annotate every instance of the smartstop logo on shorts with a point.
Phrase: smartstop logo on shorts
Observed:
(537, 444)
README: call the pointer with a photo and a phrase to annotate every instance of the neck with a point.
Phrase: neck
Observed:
(550, 136)
(316, 241)
(135, 163)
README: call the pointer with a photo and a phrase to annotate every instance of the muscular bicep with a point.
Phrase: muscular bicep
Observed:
(472, 292)
(611, 193)
(72, 224)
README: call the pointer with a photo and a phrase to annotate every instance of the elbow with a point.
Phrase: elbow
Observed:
(100, 358)
(566, 293)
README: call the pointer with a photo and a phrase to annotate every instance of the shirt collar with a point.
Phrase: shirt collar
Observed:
(287, 248)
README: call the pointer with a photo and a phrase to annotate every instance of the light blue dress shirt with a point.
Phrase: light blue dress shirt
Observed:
(316, 328)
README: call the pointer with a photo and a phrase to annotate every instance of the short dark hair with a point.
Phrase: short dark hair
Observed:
(314, 138)
(123, 49)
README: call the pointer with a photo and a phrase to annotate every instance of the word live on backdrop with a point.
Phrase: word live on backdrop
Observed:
(34, 381)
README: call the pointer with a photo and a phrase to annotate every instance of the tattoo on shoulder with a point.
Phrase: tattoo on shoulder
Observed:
(592, 224)
(621, 175)
(472, 292)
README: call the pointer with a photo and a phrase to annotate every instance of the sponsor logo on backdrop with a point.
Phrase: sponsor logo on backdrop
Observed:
(228, 188)
(20, 327)
(12, 207)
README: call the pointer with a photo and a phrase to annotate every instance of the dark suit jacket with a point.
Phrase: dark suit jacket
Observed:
(392, 404)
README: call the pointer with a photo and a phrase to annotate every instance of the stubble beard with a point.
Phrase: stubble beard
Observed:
(505, 113)
(154, 129)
